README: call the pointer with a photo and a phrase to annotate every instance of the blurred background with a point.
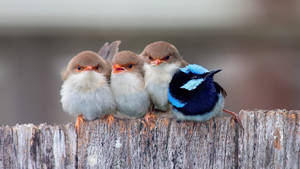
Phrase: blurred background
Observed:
(256, 43)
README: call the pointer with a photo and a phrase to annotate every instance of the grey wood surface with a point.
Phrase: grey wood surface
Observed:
(271, 139)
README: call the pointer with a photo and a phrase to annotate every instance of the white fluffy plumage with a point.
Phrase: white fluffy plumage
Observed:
(157, 79)
(87, 93)
(130, 95)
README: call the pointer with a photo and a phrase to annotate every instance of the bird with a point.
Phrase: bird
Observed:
(162, 60)
(194, 95)
(85, 91)
(107, 52)
(128, 86)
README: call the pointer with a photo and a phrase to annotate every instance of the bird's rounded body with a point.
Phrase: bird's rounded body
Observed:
(128, 86)
(130, 95)
(157, 79)
(87, 93)
(194, 95)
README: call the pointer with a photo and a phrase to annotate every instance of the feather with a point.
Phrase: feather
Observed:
(175, 102)
(185, 70)
(192, 84)
(104, 50)
(131, 96)
(196, 69)
(107, 51)
(220, 89)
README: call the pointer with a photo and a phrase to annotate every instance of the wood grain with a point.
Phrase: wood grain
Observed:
(271, 139)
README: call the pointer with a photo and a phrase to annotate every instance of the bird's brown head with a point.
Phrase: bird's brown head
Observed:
(127, 61)
(160, 52)
(87, 61)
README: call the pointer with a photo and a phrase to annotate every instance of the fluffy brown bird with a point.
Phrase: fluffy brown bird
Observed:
(128, 86)
(162, 60)
(85, 91)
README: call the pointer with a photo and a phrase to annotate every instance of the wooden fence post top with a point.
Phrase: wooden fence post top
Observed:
(271, 139)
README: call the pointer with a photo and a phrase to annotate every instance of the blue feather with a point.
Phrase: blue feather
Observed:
(196, 69)
(185, 70)
(192, 84)
(174, 101)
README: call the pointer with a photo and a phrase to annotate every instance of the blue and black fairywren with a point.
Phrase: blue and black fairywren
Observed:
(194, 95)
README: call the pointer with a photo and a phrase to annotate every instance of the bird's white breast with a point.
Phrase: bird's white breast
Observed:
(130, 94)
(87, 93)
(157, 79)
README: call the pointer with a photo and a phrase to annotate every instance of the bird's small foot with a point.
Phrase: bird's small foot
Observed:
(150, 120)
(78, 123)
(110, 118)
(149, 116)
(235, 116)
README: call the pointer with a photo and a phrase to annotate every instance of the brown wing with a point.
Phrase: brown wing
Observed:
(220, 89)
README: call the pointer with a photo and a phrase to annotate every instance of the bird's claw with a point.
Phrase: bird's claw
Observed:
(110, 118)
(150, 120)
(78, 123)
(235, 116)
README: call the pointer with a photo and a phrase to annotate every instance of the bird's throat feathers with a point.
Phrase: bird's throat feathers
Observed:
(166, 67)
(163, 72)
(86, 81)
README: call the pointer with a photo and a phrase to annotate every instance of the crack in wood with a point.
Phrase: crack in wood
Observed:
(271, 139)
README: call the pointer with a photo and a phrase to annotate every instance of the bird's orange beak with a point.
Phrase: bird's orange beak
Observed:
(118, 68)
(88, 68)
(157, 62)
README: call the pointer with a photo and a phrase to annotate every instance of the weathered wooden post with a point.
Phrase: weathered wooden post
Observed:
(271, 139)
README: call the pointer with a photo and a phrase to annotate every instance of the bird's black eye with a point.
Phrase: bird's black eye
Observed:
(167, 57)
(97, 67)
(130, 66)
(78, 67)
(150, 58)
